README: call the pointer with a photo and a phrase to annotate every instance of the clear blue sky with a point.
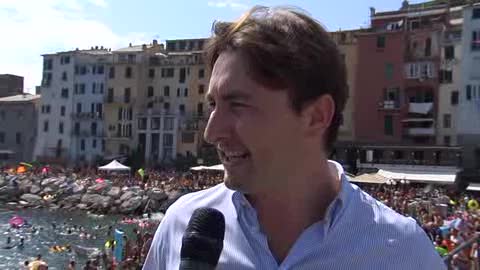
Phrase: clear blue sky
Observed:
(34, 27)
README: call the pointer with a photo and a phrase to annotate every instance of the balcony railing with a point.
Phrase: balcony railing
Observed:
(420, 131)
(118, 99)
(87, 115)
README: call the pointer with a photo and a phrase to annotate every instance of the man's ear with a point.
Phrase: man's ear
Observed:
(318, 115)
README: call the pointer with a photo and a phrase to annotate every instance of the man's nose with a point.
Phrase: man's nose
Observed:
(217, 127)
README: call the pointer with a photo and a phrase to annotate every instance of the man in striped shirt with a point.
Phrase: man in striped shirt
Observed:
(277, 92)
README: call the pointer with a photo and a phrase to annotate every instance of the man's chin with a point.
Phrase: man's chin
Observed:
(236, 183)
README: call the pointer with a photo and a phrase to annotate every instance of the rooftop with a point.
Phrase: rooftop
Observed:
(20, 98)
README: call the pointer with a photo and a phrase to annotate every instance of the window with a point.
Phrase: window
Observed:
(200, 109)
(469, 92)
(64, 93)
(101, 88)
(93, 128)
(77, 128)
(167, 139)
(178, 92)
(128, 72)
(476, 13)
(183, 75)
(381, 41)
(18, 138)
(142, 123)
(391, 97)
(79, 107)
(446, 140)
(150, 91)
(201, 73)
(168, 123)
(47, 64)
(82, 88)
(181, 109)
(151, 73)
(94, 85)
(111, 72)
(94, 143)
(388, 128)
(447, 120)
(110, 95)
(131, 58)
(188, 137)
(60, 128)
(94, 69)
(168, 72)
(82, 145)
(126, 95)
(185, 92)
(166, 107)
(201, 89)
(62, 111)
(166, 91)
(475, 40)
(64, 76)
(155, 123)
(454, 98)
(83, 70)
(2, 137)
(100, 69)
(446, 76)
(45, 126)
(389, 71)
(103, 145)
(428, 47)
(449, 52)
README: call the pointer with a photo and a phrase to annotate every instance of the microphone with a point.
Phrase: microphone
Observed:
(202, 242)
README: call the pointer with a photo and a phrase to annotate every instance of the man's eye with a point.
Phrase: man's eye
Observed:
(211, 104)
(236, 104)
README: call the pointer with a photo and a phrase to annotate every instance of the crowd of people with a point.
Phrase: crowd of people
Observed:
(449, 218)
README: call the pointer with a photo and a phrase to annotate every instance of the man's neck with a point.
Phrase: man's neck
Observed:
(284, 214)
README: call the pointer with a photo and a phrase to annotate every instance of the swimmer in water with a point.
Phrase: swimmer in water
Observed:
(20, 245)
(69, 231)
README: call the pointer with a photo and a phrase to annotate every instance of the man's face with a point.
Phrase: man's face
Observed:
(257, 134)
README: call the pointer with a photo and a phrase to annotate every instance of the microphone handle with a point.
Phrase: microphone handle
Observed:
(195, 265)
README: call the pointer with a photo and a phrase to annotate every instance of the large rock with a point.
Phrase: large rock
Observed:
(157, 194)
(31, 198)
(114, 192)
(117, 202)
(82, 206)
(77, 189)
(97, 201)
(127, 196)
(47, 190)
(2, 181)
(131, 205)
(73, 199)
(24, 185)
(35, 189)
(49, 181)
(97, 188)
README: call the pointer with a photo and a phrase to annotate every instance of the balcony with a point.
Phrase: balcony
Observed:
(420, 107)
(118, 99)
(430, 131)
(87, 116)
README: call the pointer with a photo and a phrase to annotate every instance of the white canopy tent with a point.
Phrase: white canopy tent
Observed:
(114, 166)
(420, 176)
(218, 167)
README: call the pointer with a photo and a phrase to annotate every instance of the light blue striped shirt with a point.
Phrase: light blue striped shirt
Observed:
(358, 232)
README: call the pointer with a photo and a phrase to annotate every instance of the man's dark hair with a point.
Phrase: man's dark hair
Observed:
(285, 48)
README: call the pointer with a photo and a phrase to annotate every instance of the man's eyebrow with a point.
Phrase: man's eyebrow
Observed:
(230, 96)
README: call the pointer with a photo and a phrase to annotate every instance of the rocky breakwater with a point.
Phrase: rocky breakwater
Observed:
(70, 193)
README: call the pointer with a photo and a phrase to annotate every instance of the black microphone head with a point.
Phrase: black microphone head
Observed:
(203, 238)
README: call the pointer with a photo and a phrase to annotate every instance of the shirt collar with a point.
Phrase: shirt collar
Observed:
(241, 203)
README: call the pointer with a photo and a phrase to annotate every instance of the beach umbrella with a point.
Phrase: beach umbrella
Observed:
(26, 164)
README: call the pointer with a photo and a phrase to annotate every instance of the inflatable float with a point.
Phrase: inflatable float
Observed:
(17, 222)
